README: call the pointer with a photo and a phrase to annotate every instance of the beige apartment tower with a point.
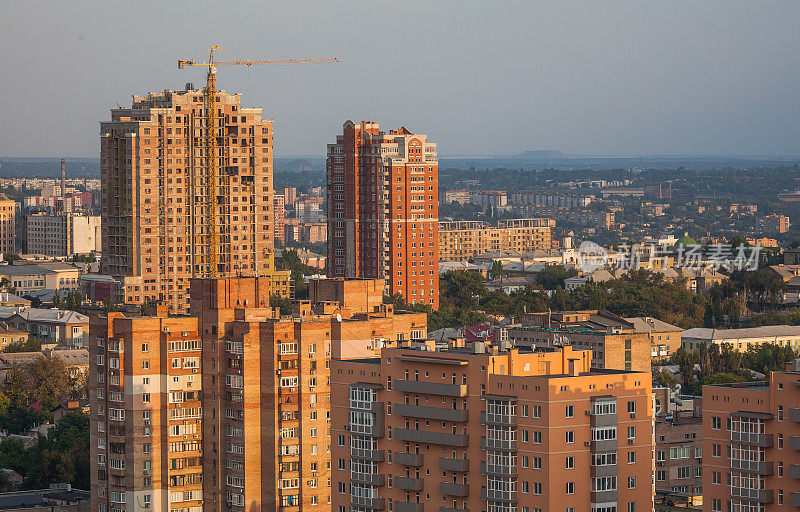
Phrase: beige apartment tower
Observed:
(156, 214)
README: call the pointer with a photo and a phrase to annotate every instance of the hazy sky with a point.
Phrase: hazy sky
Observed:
(608, 77)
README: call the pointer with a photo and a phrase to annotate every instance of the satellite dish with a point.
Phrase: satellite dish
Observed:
(338, 317)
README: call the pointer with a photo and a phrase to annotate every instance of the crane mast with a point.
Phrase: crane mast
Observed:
(212, 235)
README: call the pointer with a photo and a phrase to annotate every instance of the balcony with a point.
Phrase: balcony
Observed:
(759, 495)
(371, 455)
(504, 496)
(601, 471)
(793, 414)
(794, 471)
(368, 478)
(447, 509)
(433, 413)
(405, 506)
(604, 496)
(793, 499)
(752, 439)
(605, 445)
(430, 388)
(501, 470)
(498, 419)
(459, 465)
(375, 503)
(408, 484)
(747, 466)
(408, 459)
(422, 436)
(448, 489)
(603, 420)
(498, 444)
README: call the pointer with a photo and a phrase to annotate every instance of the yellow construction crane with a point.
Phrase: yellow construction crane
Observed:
(212, 239)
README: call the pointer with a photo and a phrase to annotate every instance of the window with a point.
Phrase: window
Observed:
(716, 423)
(570, 411)
(716, 478)
(716, 450)
(570, 463)
(631, 482)
(570, 487)
(631, 432)
(631, 457)
(661, 475)
(632, 407)
(537, 488)
(570, 436)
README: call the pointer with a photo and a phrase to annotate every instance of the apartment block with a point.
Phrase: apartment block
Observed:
(751, 438)
(679, 458)
(8, 215)
(61, 235)
(383, 210)
(542, 198)
(462, 240)
(146, 414)
(428, 426)
(156, 208)
(227, 409)
(278, 203)
(615, 343)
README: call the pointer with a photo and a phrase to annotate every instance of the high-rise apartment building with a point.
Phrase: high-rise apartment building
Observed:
(751, 444)
(431, 427)
(146, 414)
(231, 405)
(278, 203)
(156, 211)
(61, 235)
(8, 215)
(464, 239)
(383, 209)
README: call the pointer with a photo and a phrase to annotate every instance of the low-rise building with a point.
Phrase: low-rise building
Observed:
(614, 342)
(8, 216)
(25, 278)
(665, 338)
(63, 327)
(741, 339)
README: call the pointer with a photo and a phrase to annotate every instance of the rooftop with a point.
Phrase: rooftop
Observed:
(767, 331)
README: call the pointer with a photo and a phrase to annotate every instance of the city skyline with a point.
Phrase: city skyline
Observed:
(620, 79)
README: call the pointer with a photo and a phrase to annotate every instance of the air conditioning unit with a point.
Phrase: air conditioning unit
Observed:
(145, 471)
(588, 412)
(633, 415)
(587, 443)
(631, 441)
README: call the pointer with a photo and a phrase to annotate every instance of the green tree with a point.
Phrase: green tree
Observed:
(553, 276)
(461, 288)
(50, 381)
(29, 345)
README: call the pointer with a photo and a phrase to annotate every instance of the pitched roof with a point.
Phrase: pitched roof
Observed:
(54, 316)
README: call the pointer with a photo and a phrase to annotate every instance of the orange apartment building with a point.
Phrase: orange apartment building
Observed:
(461, 240)
(146, 414)
(234, 398)
(156, 215)
(751, 441)
(8, 214)
(278, 203)
(489, 428)
(383, 208)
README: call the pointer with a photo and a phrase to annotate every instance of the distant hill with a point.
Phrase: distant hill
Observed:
(542, 154)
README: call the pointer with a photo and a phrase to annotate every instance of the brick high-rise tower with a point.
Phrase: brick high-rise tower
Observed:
(155, 208)
(383, 210)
